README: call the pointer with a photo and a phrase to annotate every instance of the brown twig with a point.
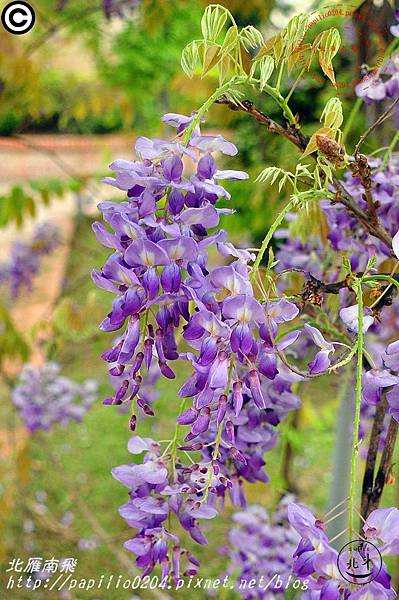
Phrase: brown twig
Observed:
(296, 137)
(290, 133)
(313, 290)
(361, 168)
(368, 478)
(385, 115)
(385, 465)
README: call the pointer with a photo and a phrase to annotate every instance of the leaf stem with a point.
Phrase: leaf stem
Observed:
(282, 102)
(280, 218)
(174, 441)
(389, 151)
(280, 75)
(352, 115)
(356, 424)
(297, 80)
(205, 107)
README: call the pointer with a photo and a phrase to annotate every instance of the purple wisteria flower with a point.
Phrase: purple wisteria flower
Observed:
(45, 398)
(321, 361)
(394, 29)
(317, 562)
(383, 84)
(349, 316)
(153, 500)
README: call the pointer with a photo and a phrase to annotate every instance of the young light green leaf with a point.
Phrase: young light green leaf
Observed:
(294, 33)
(266, 68)
(210, 56)
(190, 57)
(213, 21)
(234, 94)
(231, 42)
(332, 116)
(330, 42)
(271, 174)
(251, 38)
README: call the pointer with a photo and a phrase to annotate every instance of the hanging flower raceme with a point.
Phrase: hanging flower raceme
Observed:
(155, 503)
(261, 548)
(25, 259)
(326, 572)
(45, 398)
(165, 288)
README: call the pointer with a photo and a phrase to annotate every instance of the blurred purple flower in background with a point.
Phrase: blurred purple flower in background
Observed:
(26, 257)
(45, 398)
(261, 546)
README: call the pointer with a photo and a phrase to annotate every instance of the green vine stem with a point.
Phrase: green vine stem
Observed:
(353, 114)
(206, 106)
(280, 218)
(356, 424)
(389, 151)
(174, 442)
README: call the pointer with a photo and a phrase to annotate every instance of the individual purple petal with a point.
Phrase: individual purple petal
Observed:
(206, 215)
(219, 371)
(177, 120)
(244, 309)
(206, 167)
(187, 417)
(145, 253)
(256, 391)
(391, 356)
(201, 424)
(231, 174)
(175, 201)
(318, 338)
(182, 248)
(228, 278)
(383, 524)
(268, 365)
(212, 143)
(137, 444)
(171, 278)
(374, 380)
(208, 351)
(395, 244)
(241, 338)
(131, 339)
(105, 237)
(172, 168)
(306, 524)
(103, 282)
(282, 311)
(349, 316)
(151, 283)
(320, 363)
(204, 511)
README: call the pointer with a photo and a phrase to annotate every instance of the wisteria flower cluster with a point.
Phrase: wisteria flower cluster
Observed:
(45, 398)
(318, 562)
(163, 285)
(261, 547)
(25, 259)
